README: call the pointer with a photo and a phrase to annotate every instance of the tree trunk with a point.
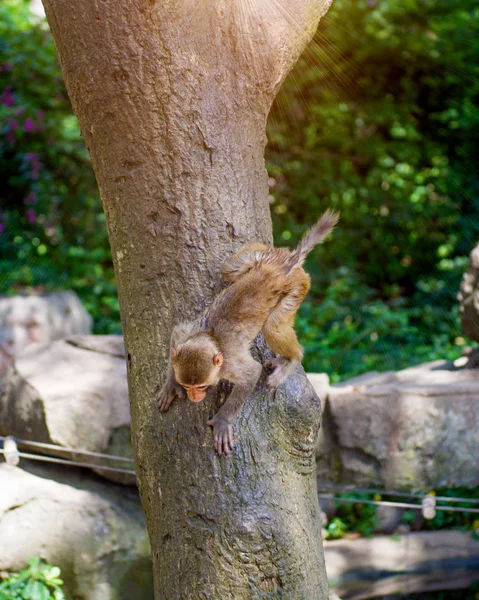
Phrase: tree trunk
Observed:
(172, 99)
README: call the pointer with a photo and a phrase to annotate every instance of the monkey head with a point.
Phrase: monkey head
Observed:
(197, 365)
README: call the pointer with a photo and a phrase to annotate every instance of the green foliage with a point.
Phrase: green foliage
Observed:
(40, 581)
(335, 529)
(380, 120)
(52, 227)
(456, 520)
(353, 331)
(362, 518)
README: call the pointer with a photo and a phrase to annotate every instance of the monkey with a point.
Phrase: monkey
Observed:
(267, 288)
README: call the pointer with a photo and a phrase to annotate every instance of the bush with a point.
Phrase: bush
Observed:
(351, 517)
(40, 581)
(380, 120)
(52, 227)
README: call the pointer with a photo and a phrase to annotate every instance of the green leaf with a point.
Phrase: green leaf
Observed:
(36, 590)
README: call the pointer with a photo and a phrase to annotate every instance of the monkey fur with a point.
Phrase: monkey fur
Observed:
(267, 288)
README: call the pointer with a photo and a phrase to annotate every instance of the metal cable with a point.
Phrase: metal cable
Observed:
(72, 463)
(71, 450)
(399, 504)
(333, 488)
(347, 489)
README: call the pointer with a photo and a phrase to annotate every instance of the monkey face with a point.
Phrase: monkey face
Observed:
(197, 367)
(196, 393)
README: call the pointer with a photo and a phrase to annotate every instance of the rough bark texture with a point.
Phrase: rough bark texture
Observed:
(172, 99)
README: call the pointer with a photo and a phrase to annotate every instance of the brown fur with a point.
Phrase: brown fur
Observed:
(268, 286)
(194, 359)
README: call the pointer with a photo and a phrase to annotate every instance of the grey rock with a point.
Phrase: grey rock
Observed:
(72, 393)
(93, 530)
(388, 518)
(327, 506)
(320, 383)
(417, 428)
(418, 562)
(327, 449)
(37, 319)
(469, 297)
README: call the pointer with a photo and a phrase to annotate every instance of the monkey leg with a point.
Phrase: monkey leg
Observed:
(241, 262)
(279, 333)
(284, 365)
(245, 376)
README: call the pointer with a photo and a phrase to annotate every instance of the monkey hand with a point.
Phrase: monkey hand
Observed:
(167, 394)
(223, 434)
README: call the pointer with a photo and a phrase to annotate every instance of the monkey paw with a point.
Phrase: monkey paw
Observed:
(223, 435)
(167, 394)
(281, 368)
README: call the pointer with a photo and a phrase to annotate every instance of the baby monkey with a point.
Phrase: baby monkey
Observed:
(268, 286)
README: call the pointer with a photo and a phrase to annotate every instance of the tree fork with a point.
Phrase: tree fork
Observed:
(172, 99)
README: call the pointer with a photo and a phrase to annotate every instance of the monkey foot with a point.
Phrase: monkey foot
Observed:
(223, 435)
(282, 367)
(167, 395)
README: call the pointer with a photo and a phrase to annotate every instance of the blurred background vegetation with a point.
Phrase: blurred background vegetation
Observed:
(380, 119)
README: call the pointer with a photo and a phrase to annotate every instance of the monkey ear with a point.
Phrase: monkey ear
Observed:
(218, 359)
(174, 352)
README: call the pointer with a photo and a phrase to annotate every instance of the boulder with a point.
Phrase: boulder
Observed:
(93, 530)
(389, 518)
(408, 429)
(36, 318)
(469, 297)
(327, 451)
(418, 562)
(412, 429)
(71, 393)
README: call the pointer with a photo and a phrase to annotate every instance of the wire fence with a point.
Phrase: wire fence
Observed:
(428, 504)
(406, 504)
(13, 455)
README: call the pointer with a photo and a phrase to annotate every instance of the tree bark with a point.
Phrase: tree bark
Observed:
(172, 99)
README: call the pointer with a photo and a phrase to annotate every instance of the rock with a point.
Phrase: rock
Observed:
(414, 429)
(388, 518)
(327, 451)
(72, 393)
(93, 530)
(320, 383)
(33, 319)
(327, 506)
(419, 562)
(469, 297)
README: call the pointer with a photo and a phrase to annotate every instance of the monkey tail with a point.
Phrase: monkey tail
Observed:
(313, 237)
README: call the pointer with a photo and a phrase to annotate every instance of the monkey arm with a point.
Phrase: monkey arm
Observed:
(171, 388)
(245, 376)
